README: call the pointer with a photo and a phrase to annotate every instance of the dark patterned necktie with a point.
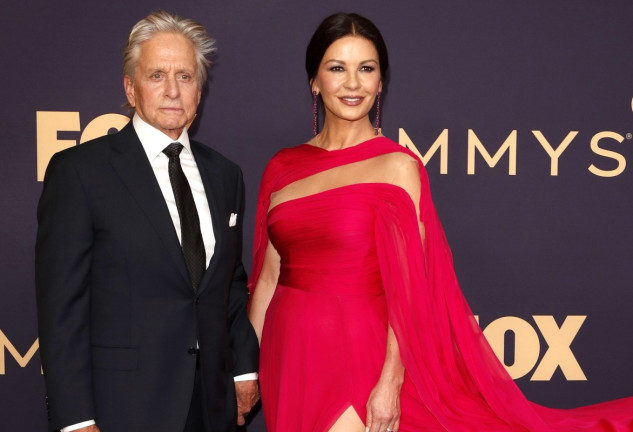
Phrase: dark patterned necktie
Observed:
(190, 235)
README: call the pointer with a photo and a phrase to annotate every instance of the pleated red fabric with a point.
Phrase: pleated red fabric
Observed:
(353, 261)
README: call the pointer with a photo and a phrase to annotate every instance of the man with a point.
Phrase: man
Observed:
(141, 290)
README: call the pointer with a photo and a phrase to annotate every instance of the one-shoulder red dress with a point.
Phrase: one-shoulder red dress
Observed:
(353, 262)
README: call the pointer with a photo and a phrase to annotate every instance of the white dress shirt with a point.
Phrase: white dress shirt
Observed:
(154, 142)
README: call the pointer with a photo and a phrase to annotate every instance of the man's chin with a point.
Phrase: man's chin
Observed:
(171, 125)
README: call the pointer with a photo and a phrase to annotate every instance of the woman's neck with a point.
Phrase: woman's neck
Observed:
(338, 135)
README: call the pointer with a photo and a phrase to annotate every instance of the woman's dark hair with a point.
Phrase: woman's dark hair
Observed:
(340, 25)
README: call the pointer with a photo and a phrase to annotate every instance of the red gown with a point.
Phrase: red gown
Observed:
(353, 262)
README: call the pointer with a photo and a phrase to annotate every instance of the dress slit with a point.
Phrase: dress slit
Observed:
(353, 412)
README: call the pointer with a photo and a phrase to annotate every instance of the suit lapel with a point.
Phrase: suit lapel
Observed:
(214, 190)
(132, 165)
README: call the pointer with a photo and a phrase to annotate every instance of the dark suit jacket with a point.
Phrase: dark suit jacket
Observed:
(117, 313)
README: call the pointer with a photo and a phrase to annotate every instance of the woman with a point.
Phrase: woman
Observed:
(361, 321)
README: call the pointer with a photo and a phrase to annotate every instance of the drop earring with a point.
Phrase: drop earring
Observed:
(377, 126)
(315, 113)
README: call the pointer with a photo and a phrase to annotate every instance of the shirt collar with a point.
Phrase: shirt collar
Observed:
(154, 141)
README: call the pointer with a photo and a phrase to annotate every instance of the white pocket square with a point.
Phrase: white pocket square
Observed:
(233, 220)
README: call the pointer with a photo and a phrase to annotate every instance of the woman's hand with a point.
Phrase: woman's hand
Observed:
(383, 406)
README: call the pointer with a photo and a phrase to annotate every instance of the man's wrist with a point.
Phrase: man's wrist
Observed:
(253, 376)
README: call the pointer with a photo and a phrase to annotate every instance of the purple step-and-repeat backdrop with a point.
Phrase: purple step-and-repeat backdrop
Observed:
(522, 112)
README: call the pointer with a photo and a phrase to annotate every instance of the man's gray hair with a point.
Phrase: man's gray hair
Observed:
(164, 22)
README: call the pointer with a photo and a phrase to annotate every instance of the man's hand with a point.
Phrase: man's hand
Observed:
(247, 394)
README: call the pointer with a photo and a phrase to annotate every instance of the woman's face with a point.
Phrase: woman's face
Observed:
(348, 78)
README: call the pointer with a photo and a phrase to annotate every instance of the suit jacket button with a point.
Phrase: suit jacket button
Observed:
(192, 351)
(197, 300)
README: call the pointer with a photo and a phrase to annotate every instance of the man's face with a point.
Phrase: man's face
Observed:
(165, 92)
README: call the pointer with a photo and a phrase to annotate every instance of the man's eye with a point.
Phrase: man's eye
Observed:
(156, 76)
(185, 77)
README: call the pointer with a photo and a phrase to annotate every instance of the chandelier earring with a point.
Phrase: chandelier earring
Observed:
(315, 113)
(377, 125)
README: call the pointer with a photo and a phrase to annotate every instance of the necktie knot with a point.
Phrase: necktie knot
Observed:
(173, 150)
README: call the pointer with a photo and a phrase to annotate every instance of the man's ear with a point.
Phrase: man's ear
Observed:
(128, 85)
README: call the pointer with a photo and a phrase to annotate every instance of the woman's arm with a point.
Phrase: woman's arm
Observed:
(264, 289)
(383, 406)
